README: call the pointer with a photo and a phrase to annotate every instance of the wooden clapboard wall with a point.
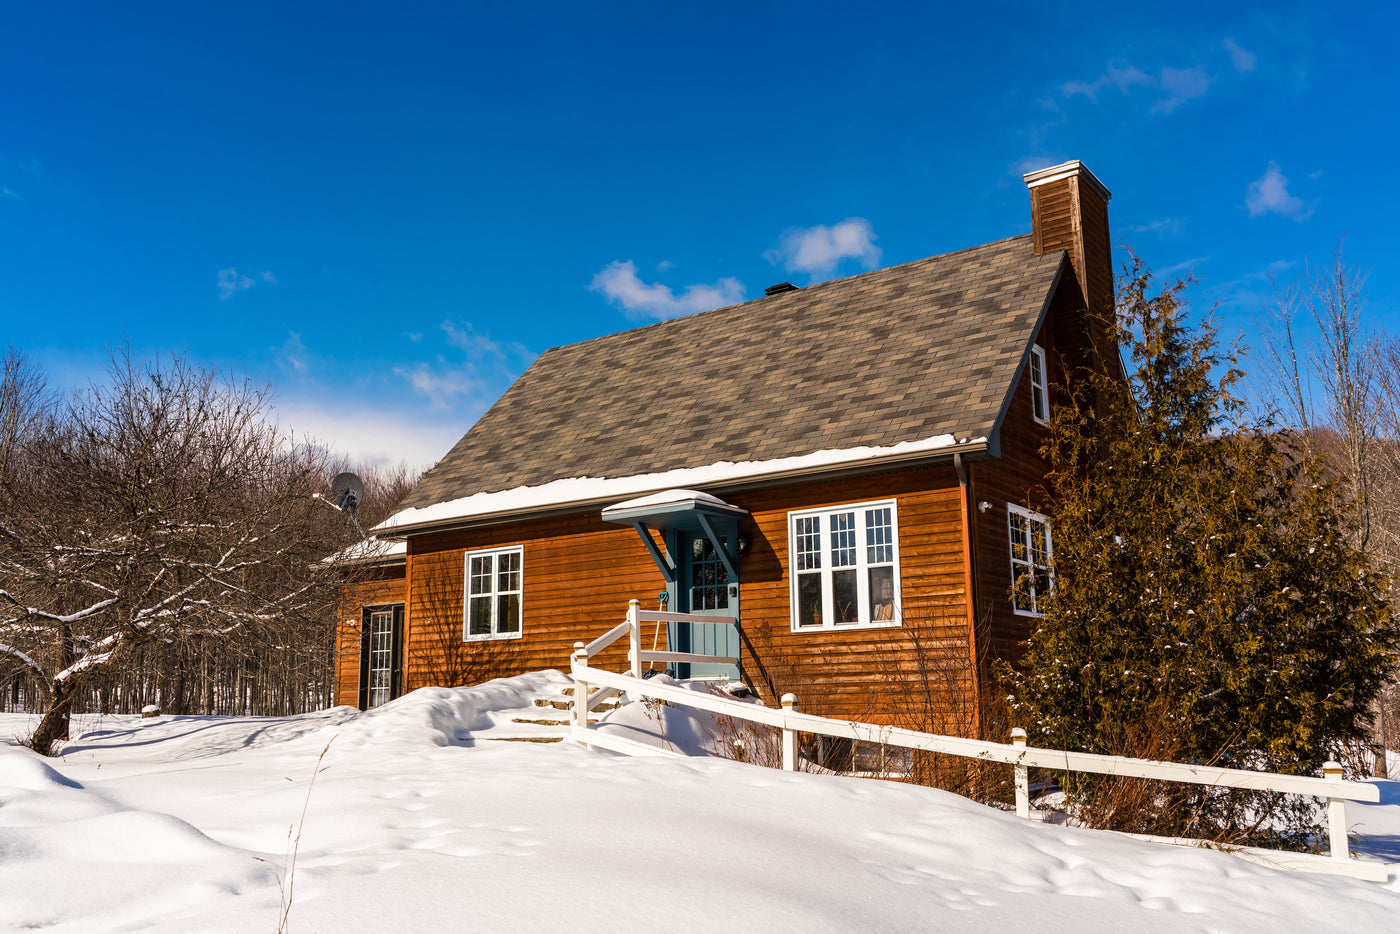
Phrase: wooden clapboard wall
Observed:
(579, 573)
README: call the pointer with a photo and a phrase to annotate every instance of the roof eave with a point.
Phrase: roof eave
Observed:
(980, 449)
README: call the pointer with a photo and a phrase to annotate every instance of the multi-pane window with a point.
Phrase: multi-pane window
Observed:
(493, 594)
(845, 567)
(1032, 576)
(381, 657)
(709, 581)
(1040, 399)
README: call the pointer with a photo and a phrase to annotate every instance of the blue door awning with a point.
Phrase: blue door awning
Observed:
(680, 510)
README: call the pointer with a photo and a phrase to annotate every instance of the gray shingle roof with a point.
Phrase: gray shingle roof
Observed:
(901, 354)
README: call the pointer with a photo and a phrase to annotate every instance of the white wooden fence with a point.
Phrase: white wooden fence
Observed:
(1017, 754)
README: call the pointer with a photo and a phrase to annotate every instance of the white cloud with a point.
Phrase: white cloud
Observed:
(7, 192)
(231, 281)
(292, 354)
(483, 352)
(1162, 225)
(1178, 85)
(1186, 266)
(1242, 59)
(441, 387)
(1270, 272)
(817, 251)
(489, 367)
(620, 284)
(1119, 76)
(372, 437)
(1182, 85)
(1268, 194)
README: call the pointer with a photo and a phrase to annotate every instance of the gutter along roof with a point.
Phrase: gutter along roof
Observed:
(890, 368)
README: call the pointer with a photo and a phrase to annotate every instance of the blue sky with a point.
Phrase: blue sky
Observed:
(389, 210)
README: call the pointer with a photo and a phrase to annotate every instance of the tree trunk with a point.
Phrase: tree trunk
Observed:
(54, 726)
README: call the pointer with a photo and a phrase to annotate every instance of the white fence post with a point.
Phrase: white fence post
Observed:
(634, 652)
(789, 735)
(1336, 815)
(580, 705)
(1023, 784)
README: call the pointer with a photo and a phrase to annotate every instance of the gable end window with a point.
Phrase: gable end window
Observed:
(493, 592)
(1040, 399)
(1032, 576)
(845, 567)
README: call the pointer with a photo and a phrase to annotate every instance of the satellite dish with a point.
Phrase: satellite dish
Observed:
(347, 490)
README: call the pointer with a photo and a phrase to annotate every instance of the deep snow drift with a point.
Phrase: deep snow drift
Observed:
(417, 824)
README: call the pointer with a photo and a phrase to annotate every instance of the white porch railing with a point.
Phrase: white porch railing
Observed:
(1017, 754)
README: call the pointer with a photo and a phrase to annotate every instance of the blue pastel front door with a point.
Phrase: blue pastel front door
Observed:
(705, 586)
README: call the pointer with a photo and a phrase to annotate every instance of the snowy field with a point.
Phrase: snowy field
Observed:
(417, 823)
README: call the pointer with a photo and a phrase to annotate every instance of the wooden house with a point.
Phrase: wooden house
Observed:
(846, 476)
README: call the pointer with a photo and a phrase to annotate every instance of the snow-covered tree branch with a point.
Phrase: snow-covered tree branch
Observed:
(161, 511)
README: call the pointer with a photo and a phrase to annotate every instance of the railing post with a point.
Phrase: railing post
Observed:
(789, 735)
(634, 651)
(1336, 815)
(580, 704)
(1023, 784)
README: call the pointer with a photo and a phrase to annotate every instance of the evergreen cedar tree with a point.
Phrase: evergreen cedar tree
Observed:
(1208, 606)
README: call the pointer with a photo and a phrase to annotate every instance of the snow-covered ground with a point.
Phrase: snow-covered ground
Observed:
(417, 823)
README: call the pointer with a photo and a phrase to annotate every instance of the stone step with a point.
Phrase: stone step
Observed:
(548, 722)
(522, 739)
(569, 705)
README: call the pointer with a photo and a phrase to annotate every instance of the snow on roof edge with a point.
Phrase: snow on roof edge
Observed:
(371, 550)
(590, 489)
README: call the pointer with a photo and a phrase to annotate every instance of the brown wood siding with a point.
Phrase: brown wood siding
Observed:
(579, 574)
(872, 674)
(383, 587)
(1018, 477)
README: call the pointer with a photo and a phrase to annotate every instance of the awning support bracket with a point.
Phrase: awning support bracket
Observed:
(723, 552)
(663, 561)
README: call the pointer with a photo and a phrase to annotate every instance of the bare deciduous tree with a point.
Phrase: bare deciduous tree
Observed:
(151, 517)
(1340, 390)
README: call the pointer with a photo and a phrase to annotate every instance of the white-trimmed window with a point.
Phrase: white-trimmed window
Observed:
(1032, 576)
(492, 609)
(845, 566)
(1040, 398)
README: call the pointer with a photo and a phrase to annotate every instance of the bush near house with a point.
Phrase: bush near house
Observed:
(1208, 605)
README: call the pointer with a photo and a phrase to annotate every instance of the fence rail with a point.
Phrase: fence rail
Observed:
(1020, 756)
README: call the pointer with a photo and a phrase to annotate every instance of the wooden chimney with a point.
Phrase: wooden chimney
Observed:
(1069, 211)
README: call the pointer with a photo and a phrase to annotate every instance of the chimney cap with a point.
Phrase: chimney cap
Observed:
(1064, 170)
(780, 288)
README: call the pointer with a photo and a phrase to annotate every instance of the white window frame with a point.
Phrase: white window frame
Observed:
(1040, 392)
(381, 655)
(1027, 559)
(862, 565)
(495, 593)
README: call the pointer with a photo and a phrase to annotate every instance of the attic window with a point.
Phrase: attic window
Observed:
(1040, 400)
